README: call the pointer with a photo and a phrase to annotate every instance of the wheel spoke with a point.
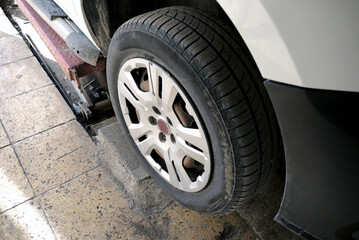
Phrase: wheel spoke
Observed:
(154, 74)
(127, 79)
(147, 145)
(186, 150)
(169, 93)
(127, 94)
(192, 136)
(171, 171)
(182, 174)
(138, 130)
(174, 119)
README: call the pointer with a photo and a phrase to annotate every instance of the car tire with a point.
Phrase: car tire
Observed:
(219, 89)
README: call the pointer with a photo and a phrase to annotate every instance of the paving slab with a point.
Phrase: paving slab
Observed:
(4, 141)
(30, 113)
(6, 28)
(15, 187)
(90, 207)
(26, 221)
(93, 206)
(21, 77)
(56, 156)
(12, 49)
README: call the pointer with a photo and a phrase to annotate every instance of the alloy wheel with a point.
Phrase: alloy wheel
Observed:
(164, 124)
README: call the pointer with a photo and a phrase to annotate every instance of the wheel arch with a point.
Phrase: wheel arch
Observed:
(105, 17)
(270, 30)
(250, 18)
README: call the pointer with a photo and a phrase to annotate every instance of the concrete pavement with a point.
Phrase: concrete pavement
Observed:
(52, 184)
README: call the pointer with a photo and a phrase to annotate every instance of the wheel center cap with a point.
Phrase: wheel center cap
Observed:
(163, 126)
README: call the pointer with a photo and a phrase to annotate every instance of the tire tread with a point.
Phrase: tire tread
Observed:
(219, 56)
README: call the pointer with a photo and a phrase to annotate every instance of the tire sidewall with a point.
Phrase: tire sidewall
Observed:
(136, 43)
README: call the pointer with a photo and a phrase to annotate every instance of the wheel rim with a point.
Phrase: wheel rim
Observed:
(164, 124)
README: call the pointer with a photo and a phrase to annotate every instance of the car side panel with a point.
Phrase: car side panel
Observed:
(74, 9)
(305, 43)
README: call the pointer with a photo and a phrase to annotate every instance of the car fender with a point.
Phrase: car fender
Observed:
(302, 43)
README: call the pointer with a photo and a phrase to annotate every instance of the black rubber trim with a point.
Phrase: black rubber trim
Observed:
(320, 130)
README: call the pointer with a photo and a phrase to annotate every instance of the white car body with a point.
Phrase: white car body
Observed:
(301, 43)
(74, 9)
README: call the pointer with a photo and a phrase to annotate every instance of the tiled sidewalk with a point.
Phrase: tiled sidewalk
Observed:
(41, 144)
(51, 185)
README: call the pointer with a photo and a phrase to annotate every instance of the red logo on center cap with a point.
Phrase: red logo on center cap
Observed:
(163, 126)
